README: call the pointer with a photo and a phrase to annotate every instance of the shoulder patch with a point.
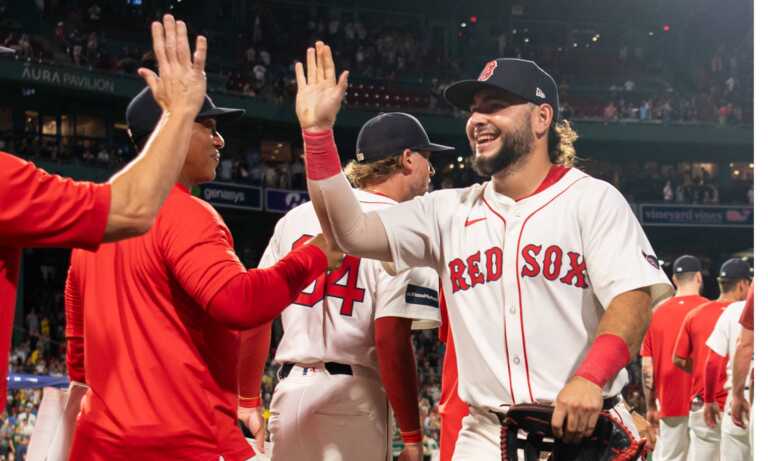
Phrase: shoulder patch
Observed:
(415, 294)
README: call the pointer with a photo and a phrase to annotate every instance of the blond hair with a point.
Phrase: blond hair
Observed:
(363, 175)
(561, 139)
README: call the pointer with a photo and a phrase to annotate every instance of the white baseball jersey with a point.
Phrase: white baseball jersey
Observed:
(726, 333)
(526, 282)
(332, 320)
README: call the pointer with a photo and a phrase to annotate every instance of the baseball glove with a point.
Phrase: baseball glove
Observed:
(528, 427)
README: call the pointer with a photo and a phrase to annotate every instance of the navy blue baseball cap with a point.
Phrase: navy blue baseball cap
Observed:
(735, 269)
(143, 113)
(390, 134)
(518, 77)
(686, 263)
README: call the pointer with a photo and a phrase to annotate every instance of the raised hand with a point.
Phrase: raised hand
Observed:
(181, 85)
(319, 94)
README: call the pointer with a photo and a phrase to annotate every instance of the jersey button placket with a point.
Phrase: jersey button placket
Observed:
(515, 340)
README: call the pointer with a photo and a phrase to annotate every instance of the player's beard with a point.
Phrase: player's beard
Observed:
(515, 147)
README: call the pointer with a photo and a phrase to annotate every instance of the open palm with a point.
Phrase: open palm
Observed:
(319, 94)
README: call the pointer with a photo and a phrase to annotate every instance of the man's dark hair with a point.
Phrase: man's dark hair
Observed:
(684, 277)
(728, 285)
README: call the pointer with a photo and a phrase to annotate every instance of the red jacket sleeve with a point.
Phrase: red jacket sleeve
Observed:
(712, 372)
(198, 249)
(254, 351)
(43, 210)
(74, 330)
(258, 296)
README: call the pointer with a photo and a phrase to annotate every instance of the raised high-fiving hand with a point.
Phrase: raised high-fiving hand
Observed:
(181, 85)
(319, 93)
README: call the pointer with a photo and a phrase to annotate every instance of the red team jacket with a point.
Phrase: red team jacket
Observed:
(41, 210)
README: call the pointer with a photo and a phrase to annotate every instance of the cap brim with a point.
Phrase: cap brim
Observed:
(462, 94)
(432, 147)
(222, 114)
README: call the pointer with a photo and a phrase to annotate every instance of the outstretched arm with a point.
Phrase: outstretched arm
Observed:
(318, 102)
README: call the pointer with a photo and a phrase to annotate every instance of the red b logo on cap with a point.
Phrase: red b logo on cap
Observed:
(488, 71)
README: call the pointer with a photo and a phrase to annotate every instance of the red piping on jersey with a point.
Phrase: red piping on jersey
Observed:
(517, 274)
(503, 310)
(380, 194)
(377, 203)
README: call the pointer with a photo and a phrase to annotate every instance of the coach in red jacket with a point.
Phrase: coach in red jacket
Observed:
(42, 210)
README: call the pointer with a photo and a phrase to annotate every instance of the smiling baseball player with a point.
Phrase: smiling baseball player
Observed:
(548, 276)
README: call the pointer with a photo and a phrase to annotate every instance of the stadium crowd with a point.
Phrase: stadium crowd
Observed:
(396, 63)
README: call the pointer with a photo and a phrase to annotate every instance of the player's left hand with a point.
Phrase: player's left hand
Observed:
(711, 414)
(253, 418)
(577, 407)
(411, 452)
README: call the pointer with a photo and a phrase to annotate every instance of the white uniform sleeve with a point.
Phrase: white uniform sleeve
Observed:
(272, 252)
(718, 339)
(411, 294)
(413, 234)
(618, 255)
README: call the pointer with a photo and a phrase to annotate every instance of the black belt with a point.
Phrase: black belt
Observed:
(608, 403)
(333, 368)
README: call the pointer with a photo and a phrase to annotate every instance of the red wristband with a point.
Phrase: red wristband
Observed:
(321, 155)
(608, 354)
(412, 437)
(249, 402)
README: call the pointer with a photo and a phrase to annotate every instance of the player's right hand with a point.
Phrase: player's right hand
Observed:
(711, 414)
(577, 408)
(411, 452)
(740, 409)
(181, 86)
(332, 252)
(319, 95)
(253, 418)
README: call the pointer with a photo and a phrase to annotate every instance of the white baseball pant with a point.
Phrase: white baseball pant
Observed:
(735, 441)
(705, 441)
(319, 416)
(673, 441)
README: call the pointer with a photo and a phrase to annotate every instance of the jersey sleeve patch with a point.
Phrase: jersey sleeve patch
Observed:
(415, 294)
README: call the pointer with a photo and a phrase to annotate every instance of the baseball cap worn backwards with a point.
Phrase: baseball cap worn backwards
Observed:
(518, 77)
(143, 113)
(735, 269)
(390, 134)
(686, 263)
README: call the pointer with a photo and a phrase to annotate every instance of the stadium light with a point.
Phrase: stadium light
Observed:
(666, 27)
(473, 19)
(463, 24)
